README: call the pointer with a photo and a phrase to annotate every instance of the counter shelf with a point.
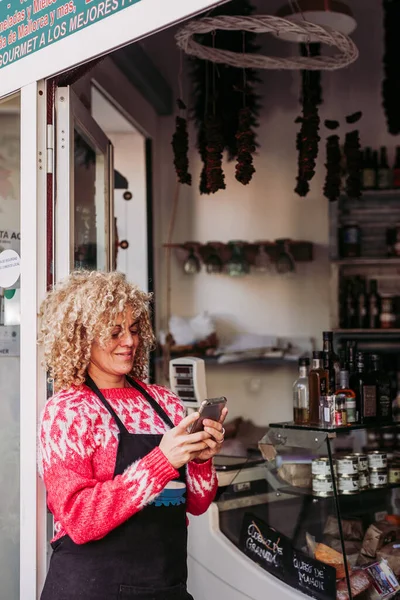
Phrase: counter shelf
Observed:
(272, 498)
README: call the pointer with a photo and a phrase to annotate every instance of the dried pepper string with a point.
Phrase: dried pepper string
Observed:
(352, 151)
(246, 147)
(333, 168)
(308, 139)
(214, 176)
(180, 146)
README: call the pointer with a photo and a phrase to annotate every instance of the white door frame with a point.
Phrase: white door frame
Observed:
(33, 289)
(69, 111)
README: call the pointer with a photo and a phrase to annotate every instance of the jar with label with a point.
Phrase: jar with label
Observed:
(378, 478)
(387, 318)
(347, 465)
(348, 484)
(329, 411)
(394, 474)
(322, 486)
(350, 241)
(340, 411)
(377, 460)
(321, 467)
(362, 461)
(363, 478)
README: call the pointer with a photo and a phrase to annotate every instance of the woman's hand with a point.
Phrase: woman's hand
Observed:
(215, 440)
(179, 446)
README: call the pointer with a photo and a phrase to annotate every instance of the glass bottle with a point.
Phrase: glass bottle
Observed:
(384, 173)
(301, 397)
(192, 265)
(213, 262)
(368, 174)
(396, 169)
(349, 309)
(328, 400)
(351, 352)
(375, 165)
(327, 337)
(387, 316)
(285, 263)
(374, 305)
(345, 395)
(318, 386)
(361, 305)
(237, 266)
(262, 261)
(365, 389)
(383, 390)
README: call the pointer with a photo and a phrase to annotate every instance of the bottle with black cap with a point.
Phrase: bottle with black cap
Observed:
(301, 397)
(364, 387)
(318, 386)
(351, 352)
(383, 390)
(327, 337)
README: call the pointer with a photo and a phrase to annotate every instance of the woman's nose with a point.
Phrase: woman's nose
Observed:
(127, 339)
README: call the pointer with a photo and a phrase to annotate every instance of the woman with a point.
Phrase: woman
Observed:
(120, 469)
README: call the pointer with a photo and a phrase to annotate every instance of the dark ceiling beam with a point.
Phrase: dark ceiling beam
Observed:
(144, 75)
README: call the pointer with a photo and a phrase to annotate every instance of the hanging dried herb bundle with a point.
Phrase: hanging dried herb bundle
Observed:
(202, 147)
(307, 146)
(353, 156)
(303, 186)
(215, 179)
(391, 65)
(180, 146)
(307, 139)
(246, 148)
(228, 96)
(311, 80)
(333, 168)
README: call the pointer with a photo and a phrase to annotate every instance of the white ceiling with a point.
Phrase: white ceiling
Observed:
(107, 116)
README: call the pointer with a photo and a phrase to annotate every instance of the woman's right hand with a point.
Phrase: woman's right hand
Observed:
(179, 446)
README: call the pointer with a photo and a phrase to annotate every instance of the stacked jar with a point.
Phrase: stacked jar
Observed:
(348, 475)
(378, 469)
(363, 472)
(322, 484)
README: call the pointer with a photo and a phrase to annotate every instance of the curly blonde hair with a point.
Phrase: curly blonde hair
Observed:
(83, 308)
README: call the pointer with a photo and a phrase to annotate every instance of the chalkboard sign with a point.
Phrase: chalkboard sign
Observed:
(274, 553)
(264, 545)
(310, 576)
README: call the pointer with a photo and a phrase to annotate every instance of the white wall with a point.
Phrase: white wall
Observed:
(267, 209)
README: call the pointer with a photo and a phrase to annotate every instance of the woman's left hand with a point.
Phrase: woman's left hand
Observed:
(214, 443)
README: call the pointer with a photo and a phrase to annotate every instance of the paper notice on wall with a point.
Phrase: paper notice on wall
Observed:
(10, 268)
(9, 340)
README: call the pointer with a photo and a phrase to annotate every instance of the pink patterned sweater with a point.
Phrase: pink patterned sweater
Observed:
(78, 442)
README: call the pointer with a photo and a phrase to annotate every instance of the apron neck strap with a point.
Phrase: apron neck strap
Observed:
(153, 403)
(91, 384)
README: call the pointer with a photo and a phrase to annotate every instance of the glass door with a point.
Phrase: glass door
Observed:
(10, 318)
(84, 222)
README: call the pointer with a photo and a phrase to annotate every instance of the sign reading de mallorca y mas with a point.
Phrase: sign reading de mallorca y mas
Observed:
(27, 26)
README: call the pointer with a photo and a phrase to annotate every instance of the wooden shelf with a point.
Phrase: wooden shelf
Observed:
(253, 362)
(366, 261)
(367, 331)
(301, 251)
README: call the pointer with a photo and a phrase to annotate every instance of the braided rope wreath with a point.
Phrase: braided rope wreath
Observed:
(346, 55)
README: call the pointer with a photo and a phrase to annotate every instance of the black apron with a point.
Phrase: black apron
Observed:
(145, 557)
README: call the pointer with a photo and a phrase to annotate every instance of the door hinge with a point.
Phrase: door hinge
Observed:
(50, 148)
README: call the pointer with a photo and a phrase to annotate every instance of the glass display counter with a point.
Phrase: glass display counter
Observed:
(318, 509)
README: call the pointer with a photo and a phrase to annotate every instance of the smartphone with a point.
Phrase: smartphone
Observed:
(209, 409)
